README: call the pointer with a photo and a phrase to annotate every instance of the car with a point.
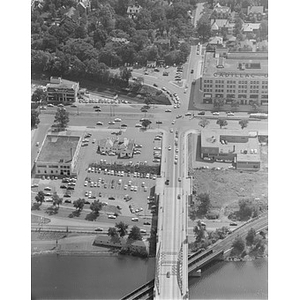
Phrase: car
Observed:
(34, 185)
(168, 110)
(68, 201)
(178, 196)
(111, 123)
(146, 73)
(143, 231)
(188, 114)
(67, 195)
(111, 216)
(233, 224)
(60, 105)
(192, 71)
(230, 114)
(47, 188)
(215, 113)
(171, 130)
(167, 182)
(98, 229)
(168, 275)
(179, 179)
(173, 122)
(50, 105)
(147, 223)
(138, 125)
(175, 162)
(99, 123)
(154, 84)
(118, 120)
(135, 219)
(176, 150)
(98, 109)
(201, 113)
(165, 73)
(96, 106)
(156, 70)
(169, 148)
(63, 186)
(178, 116)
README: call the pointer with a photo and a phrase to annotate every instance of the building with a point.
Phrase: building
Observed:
(221, 26)
(221, 12)
(250, 27)
(133, 10)
(239, 76)
(84, 6)
(62, 91)
(58, 156)
(237, 146)
(122, 147)
(255, 12)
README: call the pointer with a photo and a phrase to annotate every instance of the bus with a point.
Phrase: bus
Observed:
(258, 116)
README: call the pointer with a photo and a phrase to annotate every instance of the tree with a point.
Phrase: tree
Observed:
(40, 197)
(96, 206)
(200, 207)
(61, 117)
(112, 232)
(222, 122)
(203, 29)
(250, 237)
(246, 209)
(34, 118)
(243, 123)
(56, 199)
(122, 228)
(79, 204)
(146, 123)
(125, 74)
(238, 245)
(135, 234)
(199, 232)
(219, 102)
(234, 104)
(39, 95)
(203, 122)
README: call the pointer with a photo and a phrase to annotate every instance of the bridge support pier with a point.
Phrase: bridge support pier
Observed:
(196, 273)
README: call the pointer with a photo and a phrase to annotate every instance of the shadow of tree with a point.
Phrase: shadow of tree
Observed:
(35, 206)
(91, 216)
(75, 213)
(52, 210)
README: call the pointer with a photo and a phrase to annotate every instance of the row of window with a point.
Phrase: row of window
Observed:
(240, 96)
(53, 166)
(234, 81)
(52, 172)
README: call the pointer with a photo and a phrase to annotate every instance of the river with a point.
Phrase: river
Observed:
(98, 277)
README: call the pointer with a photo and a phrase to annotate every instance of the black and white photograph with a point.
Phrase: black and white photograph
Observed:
(149, 150)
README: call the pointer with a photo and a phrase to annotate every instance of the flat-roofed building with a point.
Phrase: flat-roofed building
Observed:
(62, 91)
(58, 156)
(239, 76)
(239, 147)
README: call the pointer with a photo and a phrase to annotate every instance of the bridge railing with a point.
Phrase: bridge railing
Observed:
(144, 289)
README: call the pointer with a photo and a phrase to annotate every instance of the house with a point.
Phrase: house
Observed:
(105, 145)
(221, 12)
(151, 64)
(70, 13)
(219, 25)
(215, 41)
(250, 27)
(236, 146)
(163, 43)
(84, 6)
(255, 13)
(133, 10)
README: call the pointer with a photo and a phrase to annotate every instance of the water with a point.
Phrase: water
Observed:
(84, 277)
(98, 277)
(232, 280)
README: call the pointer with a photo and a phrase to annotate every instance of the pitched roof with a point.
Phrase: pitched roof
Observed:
(255, 9)
(216, 40)
(249, 27)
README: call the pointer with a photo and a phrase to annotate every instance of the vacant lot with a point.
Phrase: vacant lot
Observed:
(226, 187)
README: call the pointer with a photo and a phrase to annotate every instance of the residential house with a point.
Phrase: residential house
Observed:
(216, 41)
(250, 27)
(133, 10)
(220, 12)
(70, 13)
(151, 64)
(84, 6)
(221, 26)
(255, 13)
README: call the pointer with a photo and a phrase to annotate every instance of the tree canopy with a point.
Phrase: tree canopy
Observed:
(34, 118)
(135, 234)
(222, 122)
(122, 228)
(61, 117)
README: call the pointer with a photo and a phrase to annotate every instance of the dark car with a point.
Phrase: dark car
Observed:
(147, 223)
(68, 201)
(111, 198)
(63, 186)
(144, 110)
(96, 106)
(67, 195)
(86, 202)
(167, 182)
(192, 71)
(201, 113)
(99, 229)
(70, 188)
(154, 84)
(233, 224)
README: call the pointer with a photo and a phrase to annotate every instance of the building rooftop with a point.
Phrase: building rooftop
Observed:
(255, 9)
(58, 148)
(212, 138)
(236, 64)
(58, 82)
(249, 27)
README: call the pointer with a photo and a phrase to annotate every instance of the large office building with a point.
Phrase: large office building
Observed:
(235, 76)
(58, 156)
(236, 146)
(62, 91)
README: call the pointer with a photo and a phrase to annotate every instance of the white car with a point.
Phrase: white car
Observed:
(111, 123)
(168, 110)
(134, 219)
(169, 148)
(171, 130)
(215, 113)
(99, 123)
(118, 120)
(111, 216)
(138, 125)
(230, 114)
(125, 187)
(188, 114)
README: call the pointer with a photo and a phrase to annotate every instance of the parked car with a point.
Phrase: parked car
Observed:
(99, 123)
(201, 113)
(154, 84)
(99, 229)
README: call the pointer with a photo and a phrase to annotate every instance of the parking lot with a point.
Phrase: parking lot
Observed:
(126, 191)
